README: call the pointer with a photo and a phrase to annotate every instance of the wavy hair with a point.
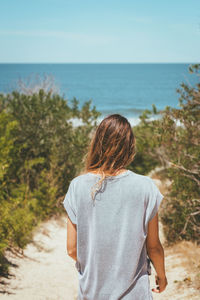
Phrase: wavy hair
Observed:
(112, 148)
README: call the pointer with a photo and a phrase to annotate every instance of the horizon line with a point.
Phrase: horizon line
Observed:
(100, 62)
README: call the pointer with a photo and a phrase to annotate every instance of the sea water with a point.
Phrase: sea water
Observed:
(127, 89)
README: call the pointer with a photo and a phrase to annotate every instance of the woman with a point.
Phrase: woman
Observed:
(113, 220)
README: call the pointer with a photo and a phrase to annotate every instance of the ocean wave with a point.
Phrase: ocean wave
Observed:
(134, 121)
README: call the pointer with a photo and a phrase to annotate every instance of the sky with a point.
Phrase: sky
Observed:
(103, 31)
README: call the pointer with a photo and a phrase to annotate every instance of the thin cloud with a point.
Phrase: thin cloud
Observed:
(87, 38)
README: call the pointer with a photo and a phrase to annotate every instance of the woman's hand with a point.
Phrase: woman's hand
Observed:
(161, 284)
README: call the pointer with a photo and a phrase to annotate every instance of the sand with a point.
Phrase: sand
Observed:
(46, 272)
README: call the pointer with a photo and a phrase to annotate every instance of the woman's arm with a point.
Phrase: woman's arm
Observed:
(71, 239)
(156, 254)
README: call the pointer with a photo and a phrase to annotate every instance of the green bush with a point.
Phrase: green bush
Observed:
(145, 159)
(40, 152)
(172, 141)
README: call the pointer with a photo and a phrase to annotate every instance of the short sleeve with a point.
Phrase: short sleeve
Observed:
(154, 200)
(69, 203)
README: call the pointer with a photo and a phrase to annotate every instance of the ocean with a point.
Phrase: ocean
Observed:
(127, 89)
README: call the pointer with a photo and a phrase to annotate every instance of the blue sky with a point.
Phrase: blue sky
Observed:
(99, 31)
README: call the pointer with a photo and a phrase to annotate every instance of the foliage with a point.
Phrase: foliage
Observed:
(172, 141)
(146, 159)
(40, 152)
(182, 214)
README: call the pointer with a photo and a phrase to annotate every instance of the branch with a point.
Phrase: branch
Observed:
(193, 172)
(195, 213)
(193, 178)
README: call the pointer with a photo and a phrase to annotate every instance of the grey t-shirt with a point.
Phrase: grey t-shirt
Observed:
(111, 234)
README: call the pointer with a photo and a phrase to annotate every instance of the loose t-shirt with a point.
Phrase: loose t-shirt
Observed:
(111, 234)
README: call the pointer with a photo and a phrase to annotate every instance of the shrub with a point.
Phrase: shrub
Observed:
(172, 141)
(40, 152)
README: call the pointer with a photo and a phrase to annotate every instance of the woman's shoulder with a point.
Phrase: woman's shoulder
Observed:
(140, 177)
(81, 177)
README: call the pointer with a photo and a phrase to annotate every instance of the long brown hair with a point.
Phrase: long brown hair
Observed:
(112, 147)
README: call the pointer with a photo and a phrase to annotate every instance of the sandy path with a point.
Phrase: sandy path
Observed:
(47, 272)
(179, 287)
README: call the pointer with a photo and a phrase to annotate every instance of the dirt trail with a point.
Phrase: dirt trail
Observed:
(48, 273)
(180, 280)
